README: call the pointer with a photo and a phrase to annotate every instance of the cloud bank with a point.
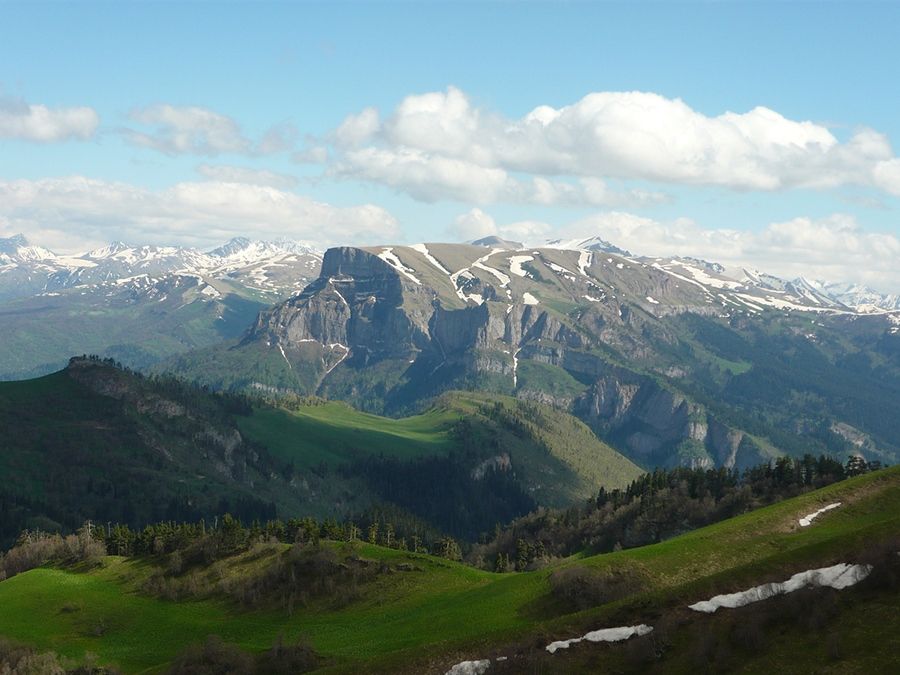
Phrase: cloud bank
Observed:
(75, 212)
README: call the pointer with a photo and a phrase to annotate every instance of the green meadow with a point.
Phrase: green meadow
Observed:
(438, 610)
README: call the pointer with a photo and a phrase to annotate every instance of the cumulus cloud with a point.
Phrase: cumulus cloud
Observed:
(439, 145)
(193, 130)
(429, 178)
(226, 173)
(31, 122)
(356, 129)
(475, 224)
(57, 211)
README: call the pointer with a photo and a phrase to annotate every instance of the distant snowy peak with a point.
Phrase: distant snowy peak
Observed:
(18, 249)
(859, 296)
(107, 251)
(243, 250)
(494, 241)
(597, 244)
(274, 269)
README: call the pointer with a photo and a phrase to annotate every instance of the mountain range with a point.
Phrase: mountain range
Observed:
(137, 303)
(671, 360)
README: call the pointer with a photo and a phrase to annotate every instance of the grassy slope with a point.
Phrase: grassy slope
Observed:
(333, 432)
(556, 456)
(412, 619)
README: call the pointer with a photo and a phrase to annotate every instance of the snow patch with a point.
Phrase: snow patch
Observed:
(838, 577)
(284, 356)
(591, 298)
(806, 521)
(502, 278)
(391, 259)
(652, 301)
(529, 299)
(423, 249)
(515, 264)
(470, 667)
(604, 635)
(585, 259)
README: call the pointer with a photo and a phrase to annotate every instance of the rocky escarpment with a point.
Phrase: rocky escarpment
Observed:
(660, 426)
(364, 310)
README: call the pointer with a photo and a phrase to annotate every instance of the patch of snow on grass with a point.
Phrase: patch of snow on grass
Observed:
(838, 577)
(529, 299)
(652, 301)
(470, 667)
(423, 249)
(391, 259)
(604, 635)
(592, 298)
(476, 297)
(585, 259)
(515, 264)
(502, 278)
(806, 521)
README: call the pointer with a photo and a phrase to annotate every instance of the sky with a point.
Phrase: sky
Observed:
(760, 134)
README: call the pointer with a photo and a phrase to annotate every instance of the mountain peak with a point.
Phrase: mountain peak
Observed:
(494, 241)
(11, 244)
(595, 243)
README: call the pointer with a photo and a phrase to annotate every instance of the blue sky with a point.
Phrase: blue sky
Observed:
(106, 112)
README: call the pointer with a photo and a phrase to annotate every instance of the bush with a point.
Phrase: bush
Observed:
(34, 549)
(213, 657)
(581, 588)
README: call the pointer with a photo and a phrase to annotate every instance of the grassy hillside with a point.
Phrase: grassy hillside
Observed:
(96, 442)
(422, 614)
(556, 456)
(333, 432)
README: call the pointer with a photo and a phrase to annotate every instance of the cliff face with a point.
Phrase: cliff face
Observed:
(654, 423)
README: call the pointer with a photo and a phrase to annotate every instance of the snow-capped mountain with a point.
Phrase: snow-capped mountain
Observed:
(596, 243)
(745, 287)
(859, 296)
(270, 269)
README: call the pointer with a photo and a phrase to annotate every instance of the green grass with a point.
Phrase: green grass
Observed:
(444, 608)
(548, 379)
(333, 433)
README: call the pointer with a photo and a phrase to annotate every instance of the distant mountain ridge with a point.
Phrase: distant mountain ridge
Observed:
(137, 303)
(272, 268)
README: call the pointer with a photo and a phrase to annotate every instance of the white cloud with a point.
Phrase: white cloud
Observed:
(193, 130)
(439, 145)
(430, 178)
(475, 224)
(357, 129)
(887, 176)
(225, 173)
(32, 122)
(56, 212)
